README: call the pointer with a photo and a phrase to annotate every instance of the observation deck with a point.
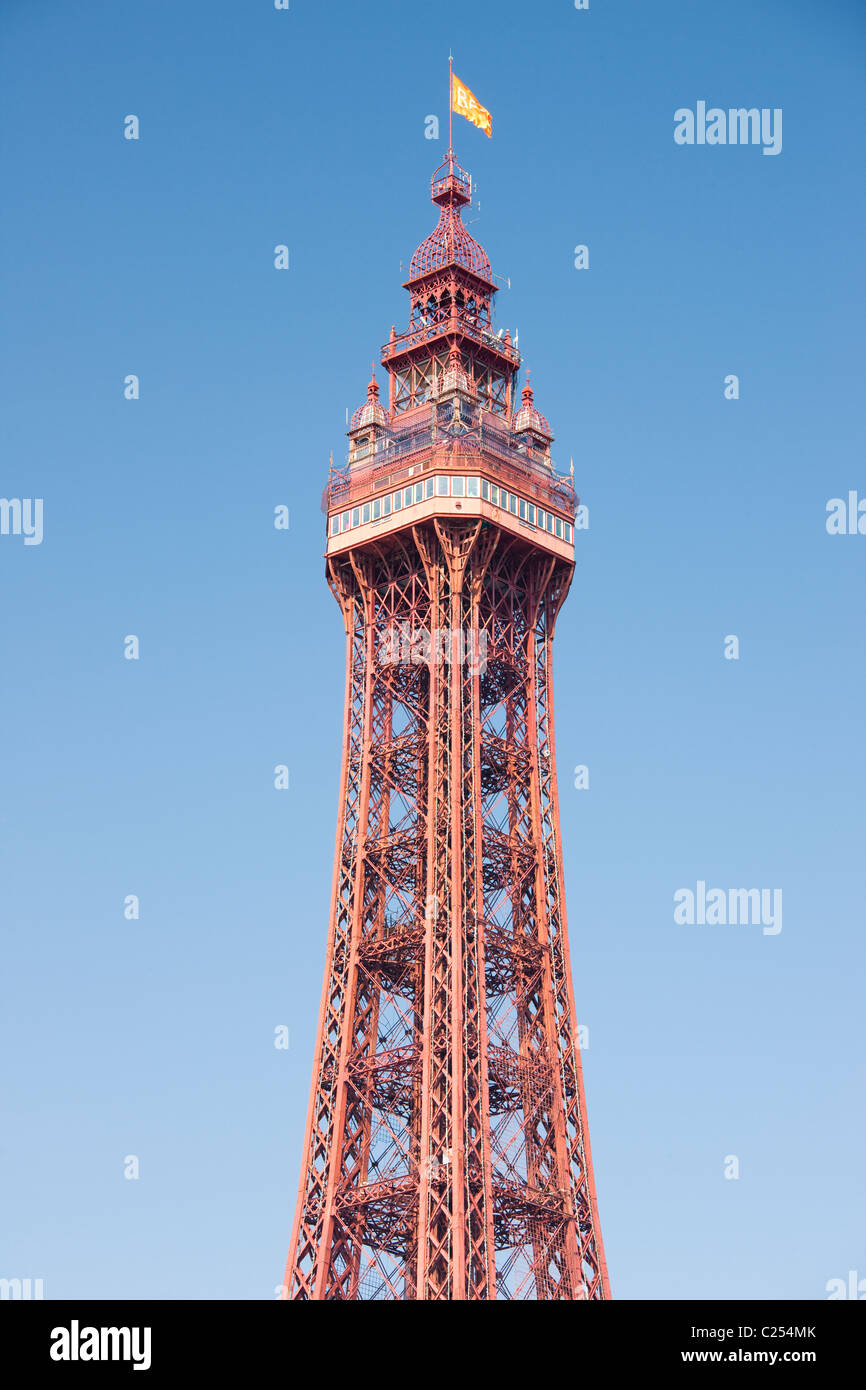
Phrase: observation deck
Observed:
(467, 467)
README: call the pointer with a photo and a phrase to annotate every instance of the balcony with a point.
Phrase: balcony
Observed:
(484, 448)
(402, 342)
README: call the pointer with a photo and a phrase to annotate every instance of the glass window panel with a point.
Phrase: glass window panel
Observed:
(473, 487)
(386, 505)
(398, 499)
(377, 509)
(419, 492)
(522, 510)
(503, 498)
(441, 487)
(428, 488)
(485, 489)
(550, 523)
(365, 512)
(407, 497)
(512, 504)
(494, 494)
(335, 525)
(568, 532)
(356, 515)
(458, 487)
(559, 527)
(530, 513)
(345, 521)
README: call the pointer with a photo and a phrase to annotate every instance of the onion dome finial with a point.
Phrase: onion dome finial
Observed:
(528, 418)
(372, 412)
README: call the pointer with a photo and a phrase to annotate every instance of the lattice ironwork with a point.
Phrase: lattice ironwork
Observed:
(446, 1153)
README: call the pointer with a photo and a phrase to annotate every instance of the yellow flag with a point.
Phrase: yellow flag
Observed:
(464, 102)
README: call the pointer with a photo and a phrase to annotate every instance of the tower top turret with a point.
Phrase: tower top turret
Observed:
(450, 243)
(451, 294)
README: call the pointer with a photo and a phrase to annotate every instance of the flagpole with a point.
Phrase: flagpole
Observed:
(450, 107)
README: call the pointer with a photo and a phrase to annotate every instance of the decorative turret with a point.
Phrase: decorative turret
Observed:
(369, 423)
(454, 378)
(529, 426)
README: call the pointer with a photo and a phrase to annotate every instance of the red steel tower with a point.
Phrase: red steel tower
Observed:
(446, 1153)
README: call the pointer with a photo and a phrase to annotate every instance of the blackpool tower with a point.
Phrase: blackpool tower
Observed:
(446, 1153)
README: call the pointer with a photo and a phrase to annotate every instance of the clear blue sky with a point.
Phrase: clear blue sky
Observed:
(707, 518)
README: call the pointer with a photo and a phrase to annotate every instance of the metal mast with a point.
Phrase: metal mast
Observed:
(447, 1153)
